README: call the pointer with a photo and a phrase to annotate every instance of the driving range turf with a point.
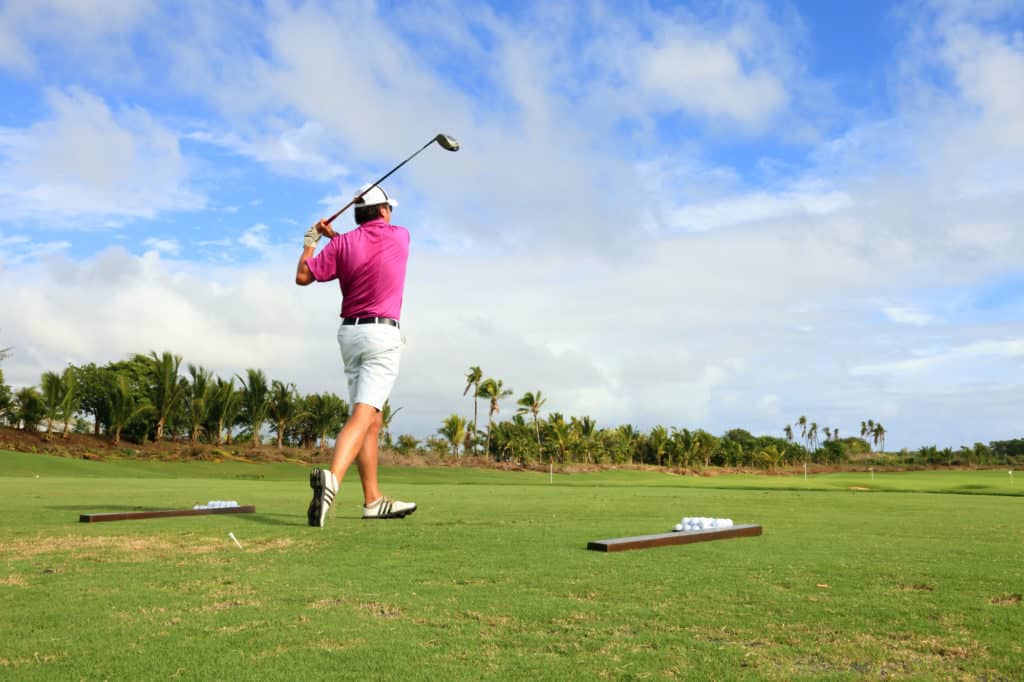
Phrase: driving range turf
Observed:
(907, 576)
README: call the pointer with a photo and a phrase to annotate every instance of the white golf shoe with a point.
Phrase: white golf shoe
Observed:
(386, 508)
(325, 487)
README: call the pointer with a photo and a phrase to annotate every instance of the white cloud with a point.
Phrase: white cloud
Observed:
(708, 78)
(1011, 348)
(907, 315)
(256, 238)
(94, 32)
(167, 246)
(13, 54)
(302, 151)
(18, 249)
(87, 163)
(758, 207)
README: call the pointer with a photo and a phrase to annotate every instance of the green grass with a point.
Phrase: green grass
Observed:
(919, 577)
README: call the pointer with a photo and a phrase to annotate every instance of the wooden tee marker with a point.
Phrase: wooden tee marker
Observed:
(160, 513)
(680, 538)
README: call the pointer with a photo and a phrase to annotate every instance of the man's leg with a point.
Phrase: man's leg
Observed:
(367, 462)
(352, 437)
(325, 482)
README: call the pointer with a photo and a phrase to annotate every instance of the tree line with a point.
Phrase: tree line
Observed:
(154, 397)
(529, 436)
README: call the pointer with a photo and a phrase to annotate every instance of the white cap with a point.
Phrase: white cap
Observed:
(373, 195)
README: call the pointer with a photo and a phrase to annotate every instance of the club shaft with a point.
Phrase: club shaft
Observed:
(382, 179)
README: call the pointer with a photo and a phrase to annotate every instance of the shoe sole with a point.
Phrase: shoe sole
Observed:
(314, 515)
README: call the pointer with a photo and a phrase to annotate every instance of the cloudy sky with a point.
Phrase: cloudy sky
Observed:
(702, 214)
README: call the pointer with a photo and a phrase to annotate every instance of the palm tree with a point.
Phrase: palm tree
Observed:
(53, 396)
(878, 436)
(495, 391)
(199, 399)
(584, 429)
(627, 437)
(165, 388)
(771, 456)
(255, 401)
(532, 403)
(386, 415)
(704, 443)
(802, 423)
(223, 408)
(282, 408)
(59, 401)
(328, 413)
(29, 409)
(681, 446)
(123, 407)
(560, 431)
(454, 431)
(812, 436)
(473, 378)
(657, 442)
(788, 430)
(6, 400)
(69, 406)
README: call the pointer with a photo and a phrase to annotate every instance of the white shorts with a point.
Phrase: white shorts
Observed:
(371, 353)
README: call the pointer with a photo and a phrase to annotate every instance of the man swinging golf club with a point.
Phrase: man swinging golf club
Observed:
(369, 263)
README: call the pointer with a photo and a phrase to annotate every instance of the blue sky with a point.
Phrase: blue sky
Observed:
(691, 214)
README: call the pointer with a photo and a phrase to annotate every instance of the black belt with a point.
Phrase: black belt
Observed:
(369, 320)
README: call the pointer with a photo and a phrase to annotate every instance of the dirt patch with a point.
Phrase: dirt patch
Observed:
(917, 587)
(88, 446)
(102, 547)
(327, 603)
(13, 581)
(228, 604)
(1007, 600)
(860, 489)
(381, 609)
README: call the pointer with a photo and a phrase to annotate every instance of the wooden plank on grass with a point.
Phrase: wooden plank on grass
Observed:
(681, 538)
(160, 513)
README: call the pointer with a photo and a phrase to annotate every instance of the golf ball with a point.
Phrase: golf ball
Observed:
(678, 527)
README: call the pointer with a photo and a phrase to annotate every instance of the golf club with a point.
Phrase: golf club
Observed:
(446, 141)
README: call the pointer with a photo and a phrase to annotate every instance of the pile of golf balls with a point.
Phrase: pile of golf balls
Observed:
(691, 523)
(216, 504)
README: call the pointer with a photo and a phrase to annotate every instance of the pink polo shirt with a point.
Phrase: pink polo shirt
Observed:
(369, 263)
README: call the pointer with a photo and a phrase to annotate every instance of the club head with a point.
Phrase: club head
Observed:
(447, 141)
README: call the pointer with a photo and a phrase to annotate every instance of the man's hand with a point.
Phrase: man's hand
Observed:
(312, 236)
(325, 229)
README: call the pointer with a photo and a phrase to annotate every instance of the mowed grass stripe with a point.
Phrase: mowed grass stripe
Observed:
(492, 579)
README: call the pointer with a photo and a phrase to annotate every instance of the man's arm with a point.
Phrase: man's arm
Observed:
(303, 275)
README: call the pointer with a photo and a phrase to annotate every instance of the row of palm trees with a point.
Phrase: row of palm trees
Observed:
(153, 397)
(528, 436)
(149, 396)
(809, 433)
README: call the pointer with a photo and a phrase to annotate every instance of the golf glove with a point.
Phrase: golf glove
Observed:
(312, 236)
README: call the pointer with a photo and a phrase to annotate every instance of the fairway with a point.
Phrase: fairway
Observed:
(907, 576)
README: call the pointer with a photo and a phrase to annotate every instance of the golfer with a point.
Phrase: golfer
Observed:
(369, 263)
